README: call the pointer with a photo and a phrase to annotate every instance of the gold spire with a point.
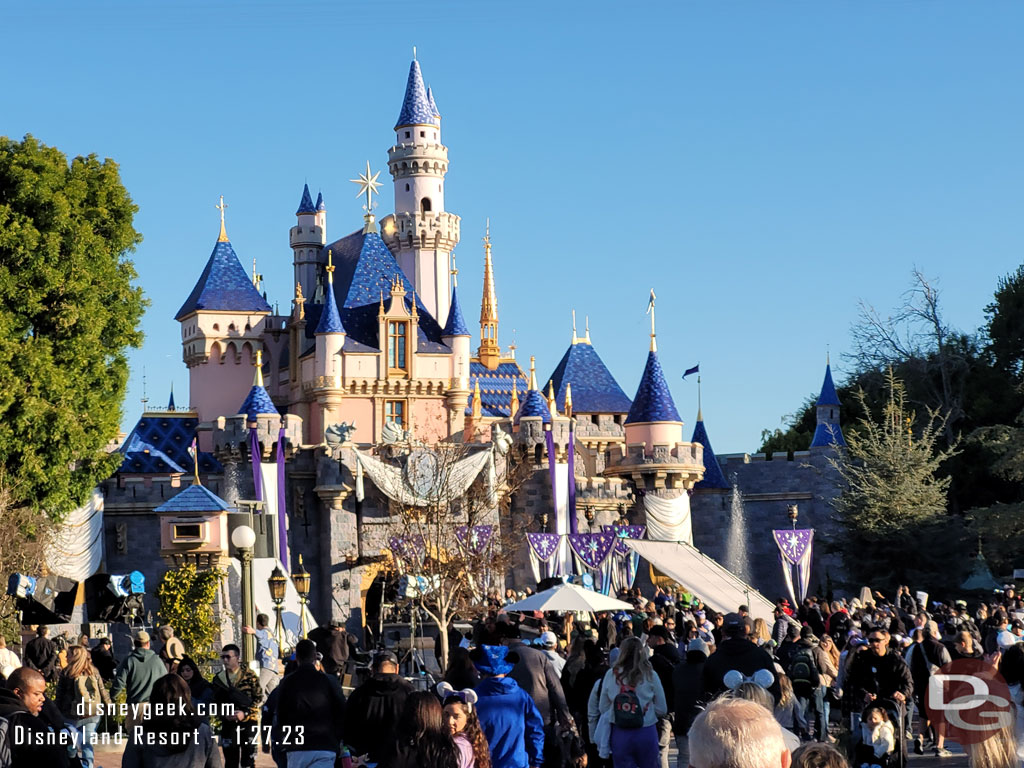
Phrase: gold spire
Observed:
(299, 301)
(533, 372)
(514, 401)
(489, 352)
(223, 232)
(568, 399)
(650, 311)
(257, 380)
(476, 401)
(552, 403)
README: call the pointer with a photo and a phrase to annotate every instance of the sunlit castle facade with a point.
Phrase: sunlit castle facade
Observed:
(375, 348)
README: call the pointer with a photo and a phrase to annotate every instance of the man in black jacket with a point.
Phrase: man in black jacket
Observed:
(310, 708)
(41, 654)
(536, 675)
(688, 695)
(664, 657)
(739, 653)
(374, 707)
(878, 673)
(33, 743)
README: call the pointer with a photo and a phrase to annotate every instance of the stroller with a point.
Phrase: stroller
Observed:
(861, 754)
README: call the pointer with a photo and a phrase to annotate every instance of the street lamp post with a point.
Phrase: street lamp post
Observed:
(244, 538)
(300, 578)
(278, 584)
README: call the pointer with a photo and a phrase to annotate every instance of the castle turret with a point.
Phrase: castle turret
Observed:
(221, 330)
(828, 433)
(456, 335)
(420, 233)
(330, 338)
(306, 238)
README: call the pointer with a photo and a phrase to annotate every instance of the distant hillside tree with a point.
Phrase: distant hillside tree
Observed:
(68, 314)
(892, 503)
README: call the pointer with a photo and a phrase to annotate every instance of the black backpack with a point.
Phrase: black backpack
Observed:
(803, 672)
(626, 707)
(5, 743)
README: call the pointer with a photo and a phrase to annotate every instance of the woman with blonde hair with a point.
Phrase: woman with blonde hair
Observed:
(80, 693)
(633, 699)
(762, 636)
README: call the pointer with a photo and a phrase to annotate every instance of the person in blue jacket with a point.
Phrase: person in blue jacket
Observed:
(508, 716)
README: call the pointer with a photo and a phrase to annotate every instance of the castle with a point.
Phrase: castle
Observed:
(376, 348)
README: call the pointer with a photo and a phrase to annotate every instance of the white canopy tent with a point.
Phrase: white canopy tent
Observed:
(703, 576)
(569, 597)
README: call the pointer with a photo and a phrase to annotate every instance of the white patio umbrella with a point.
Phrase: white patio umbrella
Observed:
(569, 597)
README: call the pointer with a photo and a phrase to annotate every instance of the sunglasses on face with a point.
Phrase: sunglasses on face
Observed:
(875, 640)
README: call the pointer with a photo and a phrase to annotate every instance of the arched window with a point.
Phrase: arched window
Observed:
(406, 187)
(425, 205)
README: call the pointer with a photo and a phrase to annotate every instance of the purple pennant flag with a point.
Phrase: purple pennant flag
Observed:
(408, 548)
(592, 548)
(573, 522)
(475, 539)
(544, 545)
(625, 532)
(282, 512)
(793, 543)
(254, 456)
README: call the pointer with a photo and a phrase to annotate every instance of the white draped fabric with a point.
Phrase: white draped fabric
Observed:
(77, 549)
(702, 576)
(268, 474)
(668, 519)
(388, 478)
(563, 561)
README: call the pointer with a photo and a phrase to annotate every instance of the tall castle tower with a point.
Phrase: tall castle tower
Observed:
(420, 233)
(828, 433)
(306, 238)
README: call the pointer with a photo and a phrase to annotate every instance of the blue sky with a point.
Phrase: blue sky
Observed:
(762, 165)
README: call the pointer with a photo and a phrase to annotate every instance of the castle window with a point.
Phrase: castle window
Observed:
(435, 135)
(830, 414)
(187, 532)
(394, 412)
(406, 187)
(406, 136)
(423, 134)
(397, 346)
(424, 205)
(216, 327)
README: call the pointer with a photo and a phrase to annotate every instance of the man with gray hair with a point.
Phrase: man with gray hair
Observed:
(736, 733)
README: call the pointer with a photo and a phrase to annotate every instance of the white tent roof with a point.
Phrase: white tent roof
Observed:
(708, 580)
(569, 597)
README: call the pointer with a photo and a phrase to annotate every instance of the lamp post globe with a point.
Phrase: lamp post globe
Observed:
(243, 537)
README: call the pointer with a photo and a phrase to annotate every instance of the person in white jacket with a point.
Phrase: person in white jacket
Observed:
(633, 699)
(878, 739)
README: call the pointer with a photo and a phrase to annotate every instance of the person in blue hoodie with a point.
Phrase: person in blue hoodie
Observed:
(508, 716)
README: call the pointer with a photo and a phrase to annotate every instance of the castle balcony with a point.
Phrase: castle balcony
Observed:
(431, 229)
(657, 467)
(231, 436)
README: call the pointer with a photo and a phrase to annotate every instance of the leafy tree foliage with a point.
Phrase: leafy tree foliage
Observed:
(1005, 327)
(186, 596)
(892, 500)
(68, 313)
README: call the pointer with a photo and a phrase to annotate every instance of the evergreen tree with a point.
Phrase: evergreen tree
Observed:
(1005, 326)
(68, 313)
(892, 505)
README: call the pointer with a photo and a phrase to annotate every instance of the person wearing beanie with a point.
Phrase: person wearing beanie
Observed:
(136, 676)
(508, 716)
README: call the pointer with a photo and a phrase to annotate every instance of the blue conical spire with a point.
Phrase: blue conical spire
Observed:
(653, 400)
(714, 477)
(320, 202)
(330, 320)
(258, 400)
(306, 204)
(416, 108)
(430, 101)
(455, 326)
(828, 394)
(170, 400)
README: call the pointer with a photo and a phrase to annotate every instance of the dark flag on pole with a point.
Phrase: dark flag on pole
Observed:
(691, 371)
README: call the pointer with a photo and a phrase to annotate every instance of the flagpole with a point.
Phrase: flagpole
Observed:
(700, 412)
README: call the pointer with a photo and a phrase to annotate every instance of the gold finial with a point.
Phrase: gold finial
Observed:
(575, 339)
(568, 399)
(223, 232)
(257, 380)
(368, 185)
(455, 273)
(514, 401)
(476, 401)
(330, 267)
(650, 311)
(533, 372)
(552, 403)
(299, 301)
(586, 332)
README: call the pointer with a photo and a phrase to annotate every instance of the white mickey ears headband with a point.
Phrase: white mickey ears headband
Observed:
(467, 695)
(733, 679)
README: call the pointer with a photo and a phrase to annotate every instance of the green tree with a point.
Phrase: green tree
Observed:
(186, 596)
(68, 314)
(892, 505)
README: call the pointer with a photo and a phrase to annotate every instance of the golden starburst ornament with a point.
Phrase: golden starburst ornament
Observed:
(368, 185)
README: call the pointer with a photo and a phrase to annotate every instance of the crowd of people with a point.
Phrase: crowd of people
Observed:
(825, 683)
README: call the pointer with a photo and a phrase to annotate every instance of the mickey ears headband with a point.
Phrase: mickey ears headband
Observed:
(467, 695)
(733, 679)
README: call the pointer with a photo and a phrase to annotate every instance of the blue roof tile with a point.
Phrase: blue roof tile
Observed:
(223, 286)
(364, 267)
(496, 387)
(430, 101)
(320, 202)
(416, 107)
(534, 405)
(306, 203)
(594, 389)
(257, 402)
(330, 320)
(159, 445)
(455, 326)
(195, 498)
(653, 400)
(828, 394)
(828, 434)
(714, 477)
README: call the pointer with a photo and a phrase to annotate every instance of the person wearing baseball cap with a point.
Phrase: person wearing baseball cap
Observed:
(137, 674)
(736, 652)
(548, 642)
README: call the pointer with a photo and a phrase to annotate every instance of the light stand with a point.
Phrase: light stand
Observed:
(278, 584)
(300, 578)
(244, 538)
